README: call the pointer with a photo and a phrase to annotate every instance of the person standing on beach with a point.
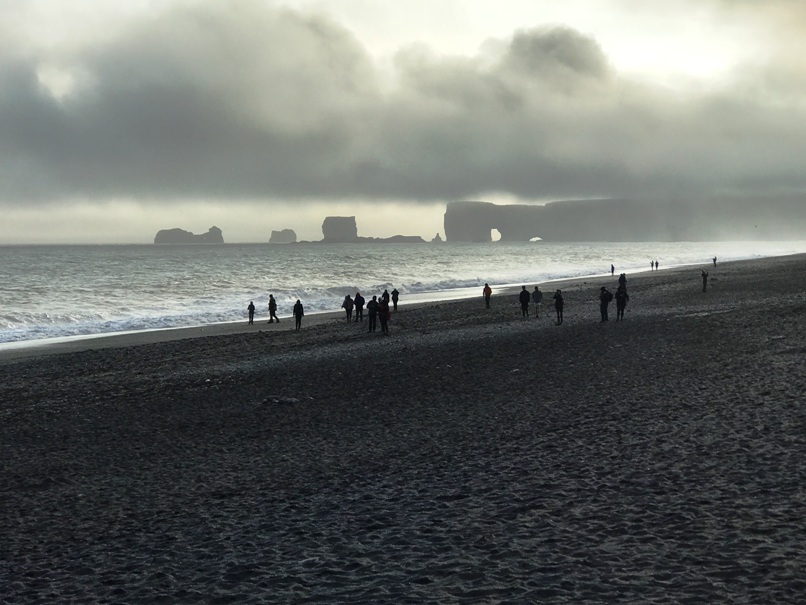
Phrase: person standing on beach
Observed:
(251, 310)
(621, 302)
(612, 270)
(299, 312)
(372, 312)
(385, 296)
(359, 307)
(715, 261)
(395, 298)
(558, 306)
(622, 281)
(605, 296)
(524, 299)
(384, 315)
(704, 279)
(488, 292)
(273, 310)
(347, 305)
(652, 265)
(537, 298)
(656, 265)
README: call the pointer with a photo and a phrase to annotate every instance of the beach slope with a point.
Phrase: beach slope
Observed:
(470, 457)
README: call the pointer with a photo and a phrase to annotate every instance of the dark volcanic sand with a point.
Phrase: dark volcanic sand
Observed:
(470, 457)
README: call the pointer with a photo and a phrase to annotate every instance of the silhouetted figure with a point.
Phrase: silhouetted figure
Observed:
(395, 298)
(612, 270)
(537, 298)
(715, 261)
(384, 315)
(372, 313)
(621, 302)
(299, 312)
(524, 298)
(348, 305)
(251, 309)
(656, 265)
(704, 279)
(605, 296)
(558, 306)
(385, 296)
(622, 281)
(487, 292)
(273, 310)
(652, 265)
(359, 307)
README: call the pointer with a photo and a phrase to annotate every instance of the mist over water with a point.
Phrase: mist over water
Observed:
(64, 291)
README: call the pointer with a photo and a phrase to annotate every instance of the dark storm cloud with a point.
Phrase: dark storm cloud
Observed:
(265, 103)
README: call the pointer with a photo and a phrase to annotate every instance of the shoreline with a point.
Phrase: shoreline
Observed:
(15, 350)
(471, 456)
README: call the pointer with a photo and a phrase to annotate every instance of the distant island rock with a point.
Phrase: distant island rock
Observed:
(180, 236)
(286, 236)
(344, 230)
(437, 239)
(629, 220)
(339, 230)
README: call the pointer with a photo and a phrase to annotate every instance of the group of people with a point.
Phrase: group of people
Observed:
(377, 310)
(525, 297)
(621, 296)
(536, 297)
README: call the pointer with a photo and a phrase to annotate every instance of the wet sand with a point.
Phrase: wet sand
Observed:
(470, 457)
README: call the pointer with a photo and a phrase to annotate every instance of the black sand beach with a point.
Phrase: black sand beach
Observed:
(470, 457)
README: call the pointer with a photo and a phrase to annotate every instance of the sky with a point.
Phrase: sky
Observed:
(120, 118)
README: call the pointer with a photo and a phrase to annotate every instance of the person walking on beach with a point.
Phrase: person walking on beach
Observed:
(558, 306)
(372, 312)
(395, 298)
(299, 312)
(621, 302)
(273, 310)
(384, 315)
(347, 305)
(359, 307)
(524, 299)
(605, 296)
(537, 298)
(622, 281)
(487, 292)
(251, 310)
(612, 270)
(704, 279)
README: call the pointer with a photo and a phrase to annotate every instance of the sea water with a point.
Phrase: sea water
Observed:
(71, 291)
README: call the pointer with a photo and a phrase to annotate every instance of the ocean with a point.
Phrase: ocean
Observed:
(58, 292)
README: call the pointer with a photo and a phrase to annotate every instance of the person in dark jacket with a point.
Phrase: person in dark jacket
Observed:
(395, 298)
(524, 298)
(273, 310)
(251, 310)
(348, 305)
(359, 307)
(372, 313)
(605, 296)
(299, 312)
(537, 298)
(559, 303)
(384, 315)
(621, 302)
